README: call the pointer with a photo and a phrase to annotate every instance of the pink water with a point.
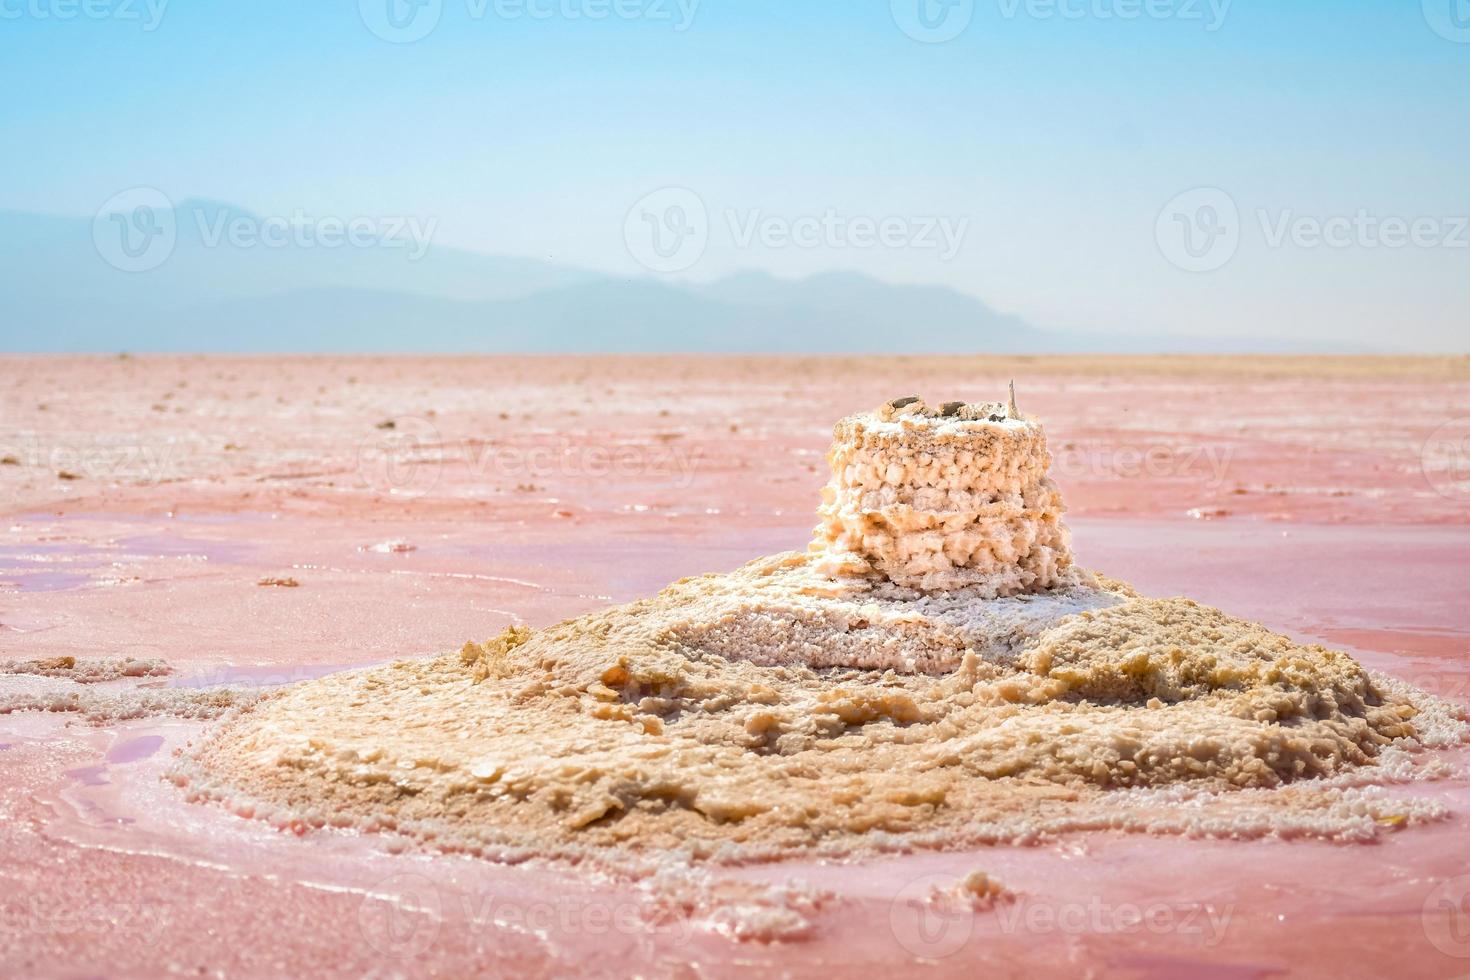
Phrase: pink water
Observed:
(106, 870)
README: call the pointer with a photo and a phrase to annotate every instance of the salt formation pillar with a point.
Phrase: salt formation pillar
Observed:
(940, 499)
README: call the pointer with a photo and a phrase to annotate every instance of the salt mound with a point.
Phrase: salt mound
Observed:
(840, 700)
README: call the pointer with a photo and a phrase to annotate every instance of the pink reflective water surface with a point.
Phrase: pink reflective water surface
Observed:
(1264, 493)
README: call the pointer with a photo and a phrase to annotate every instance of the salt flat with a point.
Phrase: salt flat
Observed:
(421, 502)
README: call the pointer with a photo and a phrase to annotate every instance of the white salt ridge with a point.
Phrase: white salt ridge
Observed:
(794, 614)
(101, 691)
(84, 671)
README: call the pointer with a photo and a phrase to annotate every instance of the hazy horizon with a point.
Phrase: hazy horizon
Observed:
(213, 277)
(1201, 174)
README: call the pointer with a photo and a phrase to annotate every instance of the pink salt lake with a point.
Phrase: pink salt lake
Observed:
(529, 490)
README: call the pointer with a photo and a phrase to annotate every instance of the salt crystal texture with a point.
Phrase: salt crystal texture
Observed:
(940, 499)
(933, 672)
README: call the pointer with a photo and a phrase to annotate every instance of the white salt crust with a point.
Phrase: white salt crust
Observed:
(100, 693)
(943, 501)
(87, 671)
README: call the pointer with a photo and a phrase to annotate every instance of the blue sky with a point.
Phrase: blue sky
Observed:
(1058, 132)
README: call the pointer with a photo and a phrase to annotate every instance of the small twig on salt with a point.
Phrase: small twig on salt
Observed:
(1011, 411)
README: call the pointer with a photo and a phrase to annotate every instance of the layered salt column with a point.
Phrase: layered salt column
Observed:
(940, 499)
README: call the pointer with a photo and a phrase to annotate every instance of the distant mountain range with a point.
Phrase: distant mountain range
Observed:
(65, 292)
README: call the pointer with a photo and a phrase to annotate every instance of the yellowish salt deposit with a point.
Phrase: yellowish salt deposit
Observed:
(87, 671)
(947, 498)
(891, 687)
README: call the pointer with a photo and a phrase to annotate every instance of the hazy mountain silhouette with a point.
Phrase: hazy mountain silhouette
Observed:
(212, 293)
(209, 292)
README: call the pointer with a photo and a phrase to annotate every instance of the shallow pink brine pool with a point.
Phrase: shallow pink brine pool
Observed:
(182, 537)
